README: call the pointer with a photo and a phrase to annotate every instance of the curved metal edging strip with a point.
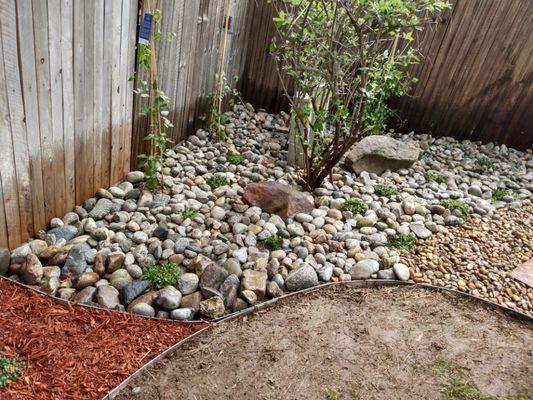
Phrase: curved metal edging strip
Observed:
(370, 283)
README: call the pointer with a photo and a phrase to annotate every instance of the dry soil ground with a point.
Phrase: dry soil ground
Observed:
(348, 343)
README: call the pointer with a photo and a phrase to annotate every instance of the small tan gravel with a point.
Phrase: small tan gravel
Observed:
(478, 257)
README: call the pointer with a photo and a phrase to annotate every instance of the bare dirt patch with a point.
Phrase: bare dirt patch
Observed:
(348, 343)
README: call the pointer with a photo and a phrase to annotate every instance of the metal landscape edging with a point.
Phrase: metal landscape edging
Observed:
(370, 283)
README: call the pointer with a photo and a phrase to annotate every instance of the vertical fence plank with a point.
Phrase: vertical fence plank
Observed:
(98, 104)
(31, 108)
(67, 65)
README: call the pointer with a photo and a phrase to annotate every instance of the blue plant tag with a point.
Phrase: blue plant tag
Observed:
(146, 27)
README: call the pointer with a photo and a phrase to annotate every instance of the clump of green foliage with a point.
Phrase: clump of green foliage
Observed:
(385, 190)
(214, 116)
(355, 205)
(346, 59)
(331, 394)
(455, 205)
(235, 159)
(11, 369)
(500, 193)
(154, 105)
(439, 178)
(455, 382)
(274, 242)
(188, 213)
(217, 181)
(402, 241)
(485, 162)
(163, 275)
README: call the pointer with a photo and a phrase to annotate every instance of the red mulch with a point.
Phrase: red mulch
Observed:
(76, 352)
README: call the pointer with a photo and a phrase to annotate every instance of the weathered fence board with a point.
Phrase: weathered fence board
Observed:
(64, 67)
(187, 66)
(476, 77)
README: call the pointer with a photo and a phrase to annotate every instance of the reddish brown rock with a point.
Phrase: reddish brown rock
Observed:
(99, 264)
(277, 198)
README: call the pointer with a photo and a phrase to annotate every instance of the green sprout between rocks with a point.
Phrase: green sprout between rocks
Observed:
(235, 159)
(163, 275)
(434, 177)
(385, 190)
(455, 205)
(402, 241)
(355, 205)
(485, 162)
(188, 213)
(217, 181)
(274, 242)
(11, 369)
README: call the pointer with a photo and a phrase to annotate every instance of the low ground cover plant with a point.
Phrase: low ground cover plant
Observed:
(11, 369)
(355, 205)
(385, 190)
(274, 242)
(235, 159)
(163, 275)
(434, 177)
(485, 162)
(455, 205)
(402, 241)
(217, 181)
(188, 213)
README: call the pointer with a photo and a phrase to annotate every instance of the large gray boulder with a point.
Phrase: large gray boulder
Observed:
(378, 153)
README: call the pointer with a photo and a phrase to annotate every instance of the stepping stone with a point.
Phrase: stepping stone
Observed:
(524, 273)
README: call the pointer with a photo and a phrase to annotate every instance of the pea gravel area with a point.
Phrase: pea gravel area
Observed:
(478, 257)
(348, 343)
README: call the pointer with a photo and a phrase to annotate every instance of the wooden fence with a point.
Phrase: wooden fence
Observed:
(65, 106)
(476, 76)
(187, 65)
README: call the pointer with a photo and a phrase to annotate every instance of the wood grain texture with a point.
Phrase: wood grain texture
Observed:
(61, 72)
(476, 75)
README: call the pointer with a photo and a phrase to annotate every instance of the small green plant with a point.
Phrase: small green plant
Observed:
(385, 190)
(434, 177)
(485, 162)
(500, 193)
(11, 369)
(274, 242)
(457, 389)
(235, 159)
(331, 394)
(163, 275)
(154, 104)
(188, 213)
(217, 181)
(402, 241)
(455, 205)
(355, 205)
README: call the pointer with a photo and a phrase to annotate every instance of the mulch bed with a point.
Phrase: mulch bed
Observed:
(75, 352)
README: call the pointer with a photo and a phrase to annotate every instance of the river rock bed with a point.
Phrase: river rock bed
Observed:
(99, 253)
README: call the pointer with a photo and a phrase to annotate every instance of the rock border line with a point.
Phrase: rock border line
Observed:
(369, 283)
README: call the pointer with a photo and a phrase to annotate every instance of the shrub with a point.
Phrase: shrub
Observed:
(385, 190)
(455, 205)
(274, 242)
(355, 205)
(500, 193)
(235, 159)
(485, 162)
(160, 276)
(188, 213)
(346, 59)
(11, 369)
(439, 178)
(217, 181)
(402, 241)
